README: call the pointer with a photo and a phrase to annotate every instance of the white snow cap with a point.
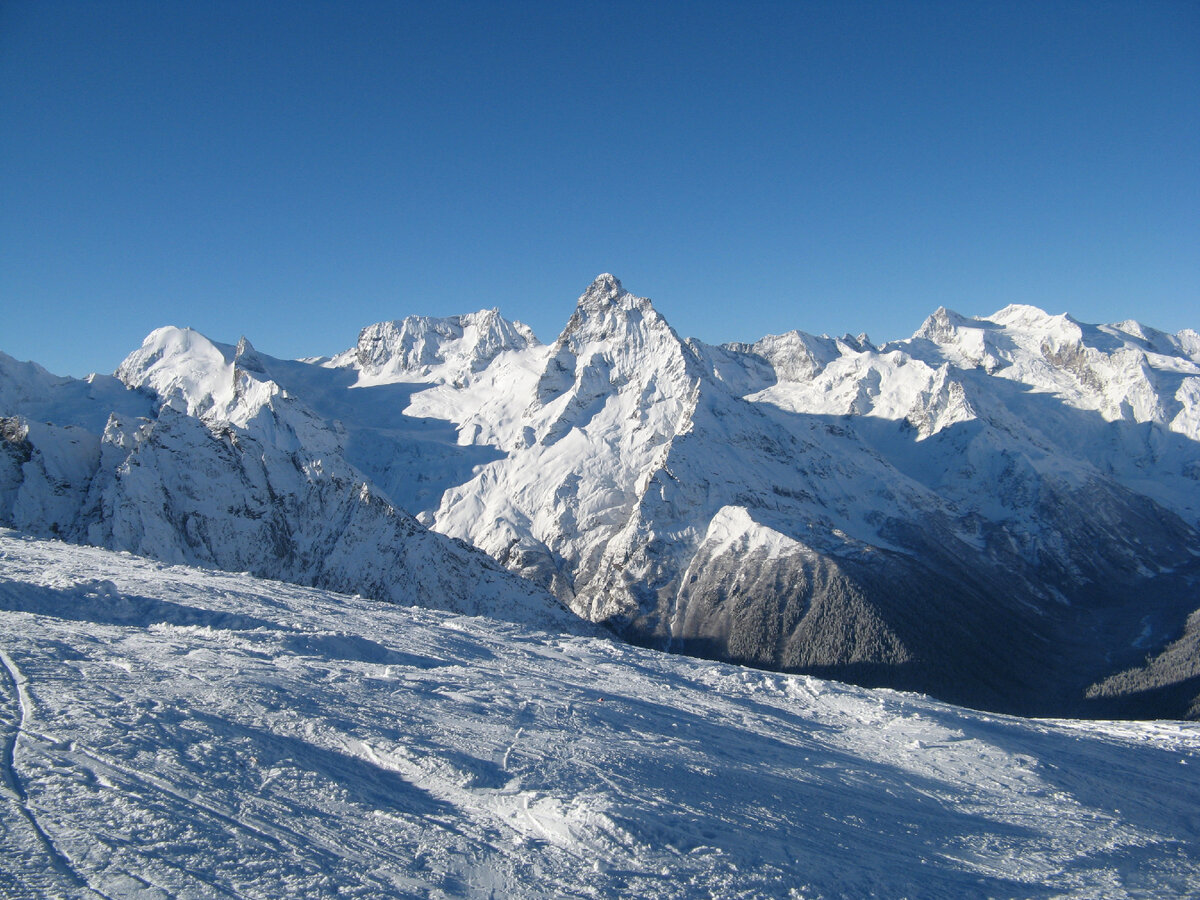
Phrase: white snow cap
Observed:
(187, 370)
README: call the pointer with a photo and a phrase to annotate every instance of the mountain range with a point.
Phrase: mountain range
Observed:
(1003, 512)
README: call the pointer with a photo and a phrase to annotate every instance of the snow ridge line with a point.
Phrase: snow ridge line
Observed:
(12, 780)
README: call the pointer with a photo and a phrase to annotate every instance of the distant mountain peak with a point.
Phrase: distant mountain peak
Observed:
(183, 367)
(604, 290)
(419, 344)
(942, 324)
(1024, 315)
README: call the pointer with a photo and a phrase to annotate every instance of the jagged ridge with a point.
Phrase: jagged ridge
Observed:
(208, 460)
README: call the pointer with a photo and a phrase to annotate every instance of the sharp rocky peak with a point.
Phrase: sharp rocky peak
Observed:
(614, 338)
(606, 310)
(605, 290)
(942, 325)
(247, 359)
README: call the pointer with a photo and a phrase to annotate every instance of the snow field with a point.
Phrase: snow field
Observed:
(176, 732)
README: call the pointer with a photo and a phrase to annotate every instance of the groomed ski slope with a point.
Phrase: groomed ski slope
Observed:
(175, 732)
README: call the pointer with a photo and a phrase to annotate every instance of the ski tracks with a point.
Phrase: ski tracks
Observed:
(41, 879)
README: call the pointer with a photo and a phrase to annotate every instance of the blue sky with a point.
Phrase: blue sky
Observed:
(295, 171)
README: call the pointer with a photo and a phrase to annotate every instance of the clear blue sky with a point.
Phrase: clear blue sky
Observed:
(295, 171)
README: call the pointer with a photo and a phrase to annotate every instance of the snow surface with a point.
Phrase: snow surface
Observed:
(177, 732)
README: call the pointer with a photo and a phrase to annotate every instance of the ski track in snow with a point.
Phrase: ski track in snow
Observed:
(62, 877)
(205, 734)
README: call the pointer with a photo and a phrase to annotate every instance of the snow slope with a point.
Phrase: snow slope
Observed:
(176, 732)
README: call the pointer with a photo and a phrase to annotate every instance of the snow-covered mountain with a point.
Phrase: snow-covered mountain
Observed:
(194, 454)
(176, 732)
(1001, 511)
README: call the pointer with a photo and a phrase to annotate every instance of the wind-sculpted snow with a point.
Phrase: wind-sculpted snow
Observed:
(177, 732)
